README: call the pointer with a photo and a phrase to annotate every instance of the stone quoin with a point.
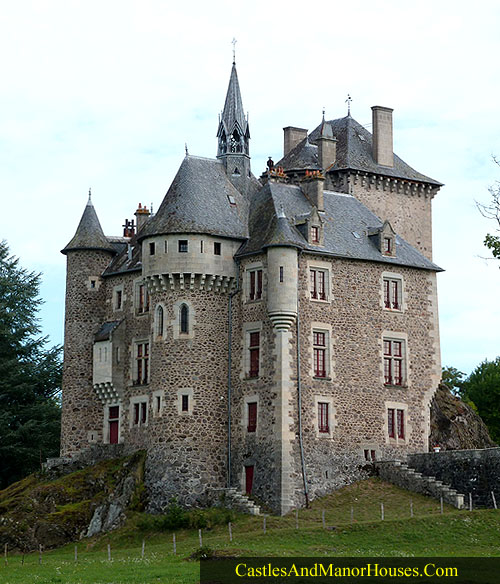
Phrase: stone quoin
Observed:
(273, 335)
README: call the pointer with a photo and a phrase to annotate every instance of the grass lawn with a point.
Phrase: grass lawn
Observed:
(428, 533)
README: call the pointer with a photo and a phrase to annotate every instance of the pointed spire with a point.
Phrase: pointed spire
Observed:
(89, 233)
(233, 114)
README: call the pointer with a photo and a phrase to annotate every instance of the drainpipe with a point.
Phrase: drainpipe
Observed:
(299, 394)
(229, 362)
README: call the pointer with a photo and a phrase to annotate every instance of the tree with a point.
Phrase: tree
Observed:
(482, 389)
(453, 379)
(30, 376)
(492, 211)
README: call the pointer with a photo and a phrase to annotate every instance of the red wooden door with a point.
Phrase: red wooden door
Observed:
(113, 417)
(248, 479)
(113, 432)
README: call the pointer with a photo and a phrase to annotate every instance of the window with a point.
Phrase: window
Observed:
(201, 246)
(152, 248)
(217, 248)
(117, 354)
(387, 245)
(392, 293)
(142, 299)
(158, 404)
(393, 362)
(184, 319)
(323, 418)
(370, 455)
(255, 284)
(165, 249)
(314, 234)
(254, 350)
(396, 423)
(92, 283)
(319, 284)
(183, 245)
(118, 299)
(319, 353)
(113, 424)
(142, 363)
(185, 403)
(159, 321)
(140, 413)
(281, 274)
(252, 417)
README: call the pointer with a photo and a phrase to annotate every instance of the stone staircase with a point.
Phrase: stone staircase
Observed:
(400, 474)
(239, 502)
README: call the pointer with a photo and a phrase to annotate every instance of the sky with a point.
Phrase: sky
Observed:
(105, 95)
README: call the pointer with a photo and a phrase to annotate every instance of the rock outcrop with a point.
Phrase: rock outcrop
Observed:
(52, 510)
(455, 425)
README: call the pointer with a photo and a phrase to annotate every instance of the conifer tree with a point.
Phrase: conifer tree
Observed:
(30, 376)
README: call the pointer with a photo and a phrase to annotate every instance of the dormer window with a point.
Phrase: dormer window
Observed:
(387, 245)
(314, 234)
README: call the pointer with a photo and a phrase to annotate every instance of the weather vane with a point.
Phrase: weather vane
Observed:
(233, 42)
(348, 102)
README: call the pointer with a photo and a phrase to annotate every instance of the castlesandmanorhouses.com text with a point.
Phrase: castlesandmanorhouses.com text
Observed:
(318, 570)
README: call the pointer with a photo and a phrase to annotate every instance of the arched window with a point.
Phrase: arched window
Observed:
(184, 319)
(159, 321)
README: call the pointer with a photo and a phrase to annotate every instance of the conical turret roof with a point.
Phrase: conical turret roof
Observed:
(89, 233)
(233, 115)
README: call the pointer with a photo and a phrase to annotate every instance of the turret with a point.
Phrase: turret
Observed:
(282, 247)
(88, 254)
(233, 136)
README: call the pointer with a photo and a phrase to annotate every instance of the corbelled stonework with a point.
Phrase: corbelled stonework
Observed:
(274, 336)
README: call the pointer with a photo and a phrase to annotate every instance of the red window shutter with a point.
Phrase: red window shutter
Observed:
(314, 291)
(252, 285)
(390, 423)
(259, 284)
(395, 294)
(114, 412)
(254, 362)
(321, 285)
(252, 417)
(387, 297)
(323, 417)
(401, 424)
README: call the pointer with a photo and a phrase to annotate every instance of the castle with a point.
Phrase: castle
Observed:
(271, 334)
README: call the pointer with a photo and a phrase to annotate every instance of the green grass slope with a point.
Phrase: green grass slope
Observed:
(359, 532)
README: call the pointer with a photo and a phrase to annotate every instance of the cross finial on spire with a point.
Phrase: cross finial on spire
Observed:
(348, 102)
(323, 114)
(186, 148)
(233, 42)
(89, 202)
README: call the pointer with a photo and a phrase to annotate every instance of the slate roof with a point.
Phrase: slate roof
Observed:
(198, 202)
(89, 233)
(354, 152)
(104, 333)
(344, 216)
(233, 113)
(125, 261)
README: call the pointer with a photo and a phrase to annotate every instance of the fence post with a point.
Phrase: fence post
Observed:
(494, 500)
(76, 554)
(470, 501)
(109, 552)
(40, 550)
(382, 510)
(264, 526)
(230, 531)
(296, 518)
(175, 545)
(142, 550)
(323, 519)
(5, 553)
(199, 535)
(441, 503)
(411, 507)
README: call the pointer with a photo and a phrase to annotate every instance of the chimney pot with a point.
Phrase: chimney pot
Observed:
(292, 136)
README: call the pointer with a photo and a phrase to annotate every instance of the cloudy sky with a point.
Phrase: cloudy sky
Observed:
(104, 94)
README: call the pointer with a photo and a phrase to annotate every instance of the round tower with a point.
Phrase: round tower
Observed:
(88, 254)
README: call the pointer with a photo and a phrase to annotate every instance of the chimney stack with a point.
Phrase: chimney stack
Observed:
(312, 185)
(142, 215)
(382, 135)
(292, 137)
(327, 146)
